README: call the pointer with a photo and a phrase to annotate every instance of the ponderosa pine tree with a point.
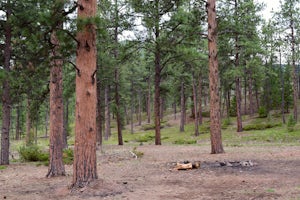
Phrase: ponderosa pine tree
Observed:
(290, 18)
(85, 166)
(215, 114)
(56, 165)
(6, 98)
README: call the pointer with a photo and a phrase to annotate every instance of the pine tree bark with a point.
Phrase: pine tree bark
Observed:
(157, 77)
(215, 115)
(6, 98)
(85, 162)
(56, 166)
(117, 76)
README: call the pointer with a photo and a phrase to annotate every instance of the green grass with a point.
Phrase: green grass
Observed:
(257, 131)
(2, 167)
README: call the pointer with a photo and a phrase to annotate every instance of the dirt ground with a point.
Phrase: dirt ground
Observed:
(275, 175)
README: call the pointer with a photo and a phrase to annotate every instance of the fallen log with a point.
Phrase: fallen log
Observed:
(187, 165)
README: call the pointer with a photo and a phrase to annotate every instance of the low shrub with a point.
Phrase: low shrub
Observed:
(183, 141)
(147, 127)
(260, 126)
(262, 112)
(32, 153)
(145, 138)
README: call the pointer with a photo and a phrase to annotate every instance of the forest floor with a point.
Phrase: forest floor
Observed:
(275, 175)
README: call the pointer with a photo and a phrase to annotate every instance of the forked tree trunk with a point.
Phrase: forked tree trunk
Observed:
(85, 162)
(56, 166)
(215, 115)
(6, 99)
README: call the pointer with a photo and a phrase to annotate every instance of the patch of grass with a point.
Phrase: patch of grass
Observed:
(184, 141)
(260, 126)
(2, 167)
(270, 190)
(147, 127)
(145, 138)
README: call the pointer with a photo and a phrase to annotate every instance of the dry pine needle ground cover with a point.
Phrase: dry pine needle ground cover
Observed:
(275, 175)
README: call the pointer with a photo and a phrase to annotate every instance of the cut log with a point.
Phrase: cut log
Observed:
(187, 165)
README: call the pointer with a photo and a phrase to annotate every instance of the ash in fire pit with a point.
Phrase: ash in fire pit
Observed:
(247, 163)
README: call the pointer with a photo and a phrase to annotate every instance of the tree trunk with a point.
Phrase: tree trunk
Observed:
(215, 121)
(295, 82)
(46, 121)
(237, 83)
(157, 77)
(99, 114)
(140, 108)
(200, 100)
(182, 104)
(175, 109)
(56, 166)
(282, 87)
(250, 89)
(131, 109)
(195, 106)
(18, 122)
(29, 136)
(149, 102)
(85, 162)
(107, 114)
(6, 99)
(228, 103)
(66, 124)
(117, 76)
(245, 94)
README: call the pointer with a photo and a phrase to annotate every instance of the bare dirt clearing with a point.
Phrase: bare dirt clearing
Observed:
(275, 175)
